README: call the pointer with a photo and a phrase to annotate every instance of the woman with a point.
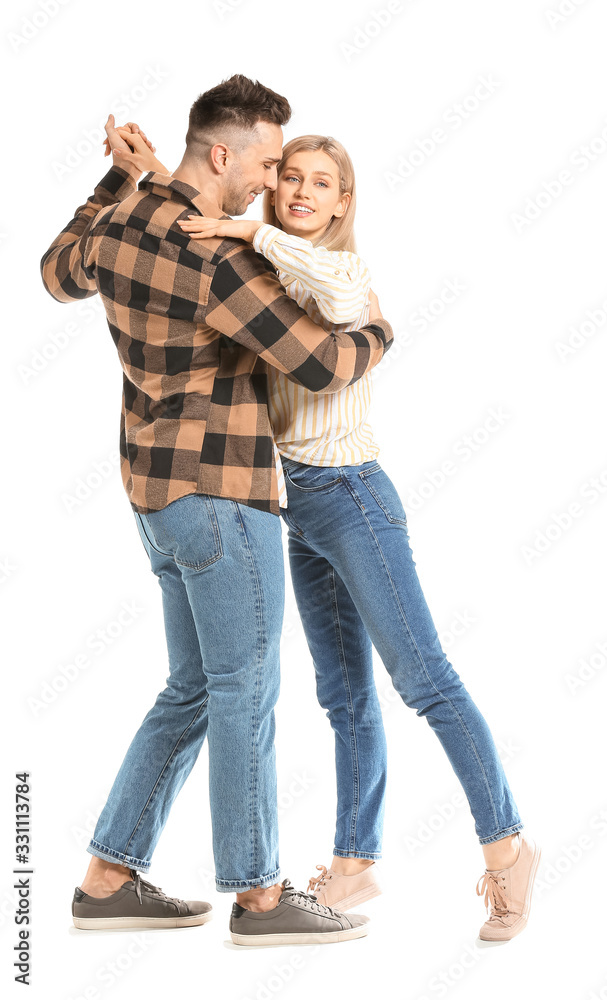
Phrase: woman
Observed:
(352, 568)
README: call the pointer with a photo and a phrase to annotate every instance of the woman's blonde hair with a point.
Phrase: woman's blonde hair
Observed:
(339, 234)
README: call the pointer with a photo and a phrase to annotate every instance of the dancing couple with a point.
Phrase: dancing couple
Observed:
(247, 349)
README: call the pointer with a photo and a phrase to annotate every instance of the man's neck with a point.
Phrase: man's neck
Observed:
(202, 180)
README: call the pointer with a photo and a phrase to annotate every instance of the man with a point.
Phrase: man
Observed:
(196, 324)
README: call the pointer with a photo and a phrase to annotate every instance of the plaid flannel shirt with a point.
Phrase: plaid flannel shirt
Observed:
(196, 324)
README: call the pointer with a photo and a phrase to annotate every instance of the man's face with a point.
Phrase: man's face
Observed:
(253, 171)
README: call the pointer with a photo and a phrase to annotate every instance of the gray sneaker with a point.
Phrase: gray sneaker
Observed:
(136, 903)
(298, 919)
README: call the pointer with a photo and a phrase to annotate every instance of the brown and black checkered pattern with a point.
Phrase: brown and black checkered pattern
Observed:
(196, 324)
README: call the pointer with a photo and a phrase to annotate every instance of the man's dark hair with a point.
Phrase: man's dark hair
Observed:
(230, 113)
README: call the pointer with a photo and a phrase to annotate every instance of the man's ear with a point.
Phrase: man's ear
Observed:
(219, 154)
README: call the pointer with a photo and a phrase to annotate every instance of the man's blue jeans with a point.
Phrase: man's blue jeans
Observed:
(221, 571)
(355, 584)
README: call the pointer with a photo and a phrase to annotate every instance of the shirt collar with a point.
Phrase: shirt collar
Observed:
(167, 187)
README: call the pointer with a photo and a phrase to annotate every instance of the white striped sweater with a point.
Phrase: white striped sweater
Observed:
(333, 287)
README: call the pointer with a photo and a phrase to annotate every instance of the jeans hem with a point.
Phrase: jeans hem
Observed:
(107, 854)
(356, 854)
(502, 834)
(241, 885)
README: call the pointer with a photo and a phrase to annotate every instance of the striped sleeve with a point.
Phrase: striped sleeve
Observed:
(338, 279)
(63, 266)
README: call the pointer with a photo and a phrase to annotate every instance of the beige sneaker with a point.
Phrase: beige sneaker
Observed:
(342, 892)
(509, 892)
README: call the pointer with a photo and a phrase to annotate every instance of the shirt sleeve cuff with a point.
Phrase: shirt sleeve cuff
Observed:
(119, 184)
(264, 236)
(386, 331)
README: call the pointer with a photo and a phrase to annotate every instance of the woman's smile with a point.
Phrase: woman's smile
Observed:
(301, 211)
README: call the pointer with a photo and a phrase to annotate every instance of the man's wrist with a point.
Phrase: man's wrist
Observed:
(255, 225)
(133, 171)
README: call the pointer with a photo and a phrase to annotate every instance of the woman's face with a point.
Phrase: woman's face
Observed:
(307, 194)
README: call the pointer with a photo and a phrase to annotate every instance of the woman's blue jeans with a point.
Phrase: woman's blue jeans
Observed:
(221, 570)
(356, 585)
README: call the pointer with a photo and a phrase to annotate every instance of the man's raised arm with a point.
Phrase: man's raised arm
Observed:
(64, 269)
(63, 266)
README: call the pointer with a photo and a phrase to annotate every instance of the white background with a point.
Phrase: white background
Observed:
(482, 209)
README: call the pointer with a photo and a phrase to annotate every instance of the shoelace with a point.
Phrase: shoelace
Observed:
(494, 892)
(303, 899)
(321, 881)
(146, 885)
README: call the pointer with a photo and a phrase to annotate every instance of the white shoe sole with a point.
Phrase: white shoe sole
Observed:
(117, 923)
(323, 937)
